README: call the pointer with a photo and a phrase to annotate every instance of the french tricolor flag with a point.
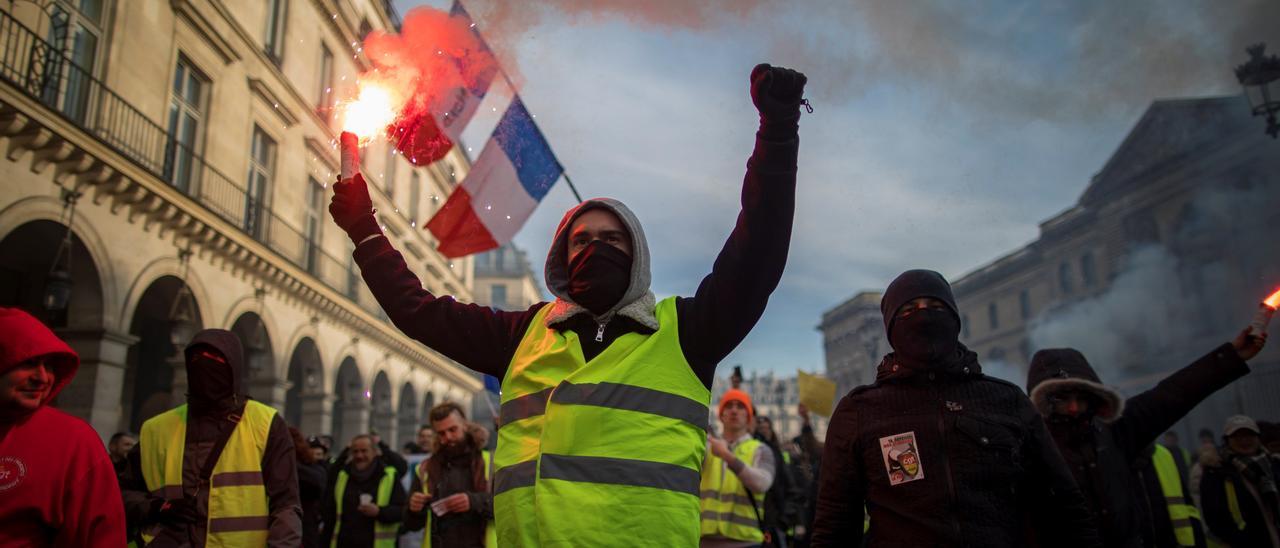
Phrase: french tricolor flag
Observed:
(514, 171)
(459, 104)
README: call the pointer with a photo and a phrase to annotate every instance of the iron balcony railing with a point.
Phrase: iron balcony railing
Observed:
(44, 73)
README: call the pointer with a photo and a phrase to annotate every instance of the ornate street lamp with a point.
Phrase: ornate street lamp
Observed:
(182, 322)
(1259, 77)
(57, 286)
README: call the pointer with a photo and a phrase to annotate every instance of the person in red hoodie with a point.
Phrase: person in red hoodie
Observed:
(57, 484)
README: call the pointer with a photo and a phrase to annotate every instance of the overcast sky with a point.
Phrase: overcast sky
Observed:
(941, 136)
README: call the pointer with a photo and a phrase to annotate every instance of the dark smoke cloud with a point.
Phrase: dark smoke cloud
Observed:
(1057, 61)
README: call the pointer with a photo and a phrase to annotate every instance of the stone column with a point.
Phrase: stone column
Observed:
(94, 393)
(355, 420)
(317, 414)
(270, 392)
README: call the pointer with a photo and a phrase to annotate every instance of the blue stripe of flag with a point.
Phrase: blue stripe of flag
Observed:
(536, 166)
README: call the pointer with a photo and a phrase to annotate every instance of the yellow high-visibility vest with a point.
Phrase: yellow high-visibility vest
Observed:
(607, 452)
(490, 532)
(238, 505)
(1233, 503)
(1181, 513)
(384, 534)
(726, 510)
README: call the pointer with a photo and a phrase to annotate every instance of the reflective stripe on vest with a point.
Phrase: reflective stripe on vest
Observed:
(238, 504)
(490, 532)
(622, 435)
(1181, 513)
(726, 510)
(1233, 503)
(384, 534)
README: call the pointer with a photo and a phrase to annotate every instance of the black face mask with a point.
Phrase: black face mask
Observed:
(925, 337)
(210, 385)
(599, 276)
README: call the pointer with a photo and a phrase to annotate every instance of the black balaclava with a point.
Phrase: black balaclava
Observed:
(927, 336)
(599, 276)
(212, 387)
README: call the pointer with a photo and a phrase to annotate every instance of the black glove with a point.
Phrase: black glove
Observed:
(777, 93)
(174, 511)
(352, 209)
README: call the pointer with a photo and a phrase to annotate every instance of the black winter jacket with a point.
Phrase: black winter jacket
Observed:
(1217, 511)
(985, 471)
(1106, 457)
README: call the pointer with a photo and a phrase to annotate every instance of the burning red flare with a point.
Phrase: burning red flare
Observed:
(1273, 302)
(374, 108)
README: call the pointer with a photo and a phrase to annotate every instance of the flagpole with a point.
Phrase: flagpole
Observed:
(512, 86)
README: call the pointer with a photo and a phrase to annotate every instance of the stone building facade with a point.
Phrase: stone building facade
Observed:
(853, 341)
(199, 138)
(773, 396)
(1164, 256)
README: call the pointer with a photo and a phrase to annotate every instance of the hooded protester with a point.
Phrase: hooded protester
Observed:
(456, 478)
(57, 484)
(940, 454)
(219, 469)
(629, 373)
(1238, 492)
(1106, 439)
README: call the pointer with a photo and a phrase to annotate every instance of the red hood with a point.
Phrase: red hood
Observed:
(23, 337)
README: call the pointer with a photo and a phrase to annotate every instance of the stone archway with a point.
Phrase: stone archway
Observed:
(383, 418)
(259, 377)
(306, 405)
(27, 254)
(350, 406)
(407, 415)
(155, 376)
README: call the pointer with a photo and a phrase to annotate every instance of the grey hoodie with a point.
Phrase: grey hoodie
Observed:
(637, 303)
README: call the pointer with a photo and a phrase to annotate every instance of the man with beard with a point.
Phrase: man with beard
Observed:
(219, 469)
(596, 382)
(940, 454)
(1105, 438)
(450, 492)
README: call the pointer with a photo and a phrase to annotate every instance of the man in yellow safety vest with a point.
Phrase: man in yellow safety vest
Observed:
(450, 492)
(605, 391)
(365, 502)
(737, 472)
(1174, 518)
(219, 470)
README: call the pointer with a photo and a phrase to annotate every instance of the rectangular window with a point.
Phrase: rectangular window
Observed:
(324, 96)
(186, 131)
(273, 42)
(498, 296)
(415, 196)
(75, 29)
(1024, 304)
(1064, 278)
(1088, 270)
(992, 316)
(315, 223)
(262, 158)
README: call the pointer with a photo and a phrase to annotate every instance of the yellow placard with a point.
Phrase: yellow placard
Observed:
(817, 393)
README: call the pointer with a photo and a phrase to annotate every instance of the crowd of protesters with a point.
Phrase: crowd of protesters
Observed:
(603, 431)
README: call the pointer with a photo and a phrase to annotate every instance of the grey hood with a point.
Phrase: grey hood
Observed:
(637, 303)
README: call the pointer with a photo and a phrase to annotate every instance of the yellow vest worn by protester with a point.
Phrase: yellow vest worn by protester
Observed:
(490, 532)
(1180, 511)
(238, 505)
(726, 510)
(600, 453)
(384, 534)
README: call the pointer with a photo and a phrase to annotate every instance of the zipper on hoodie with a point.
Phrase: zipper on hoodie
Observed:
(602, 322)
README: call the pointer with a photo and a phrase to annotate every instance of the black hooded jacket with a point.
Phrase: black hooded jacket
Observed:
(1106, 451)
(206, 423)
(988, 474)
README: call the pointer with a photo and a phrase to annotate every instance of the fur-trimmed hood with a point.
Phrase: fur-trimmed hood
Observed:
(637, 303)
(1054, 369)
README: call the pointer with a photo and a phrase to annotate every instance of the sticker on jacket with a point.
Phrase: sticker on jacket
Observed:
(901, 459)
